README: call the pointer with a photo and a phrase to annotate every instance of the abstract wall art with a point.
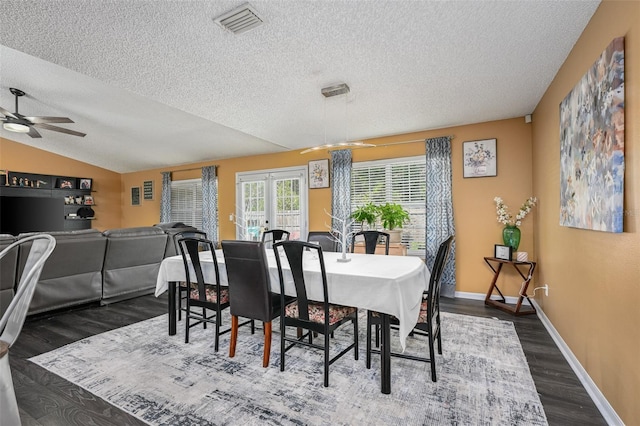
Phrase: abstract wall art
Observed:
(592, 146)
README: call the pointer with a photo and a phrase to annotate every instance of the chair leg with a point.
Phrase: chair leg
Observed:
(217, 341)
(326, 359)
(179, 304)
(355, 337)
(234, 336)
(283, 329)
(267, 344)
(377, 335)
(368, 356)
(10, 413)
(204, 315)
(432, 357)
(187, 316)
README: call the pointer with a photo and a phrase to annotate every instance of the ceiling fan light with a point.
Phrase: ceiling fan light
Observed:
(16, 127)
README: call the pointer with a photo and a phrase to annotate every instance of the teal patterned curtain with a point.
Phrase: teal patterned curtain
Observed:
(440, 209)
(210, 203)
(165, 198)
(341, 186)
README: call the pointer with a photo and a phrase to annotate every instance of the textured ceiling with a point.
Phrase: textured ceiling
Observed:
(158, 83)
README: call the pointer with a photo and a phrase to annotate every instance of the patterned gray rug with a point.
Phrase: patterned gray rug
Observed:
(483, 378)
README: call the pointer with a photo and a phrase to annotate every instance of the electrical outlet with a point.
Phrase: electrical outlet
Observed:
(546, 289)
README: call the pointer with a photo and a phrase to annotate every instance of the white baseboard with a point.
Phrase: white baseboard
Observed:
(607, 411)
(478, 296)
(598, 398)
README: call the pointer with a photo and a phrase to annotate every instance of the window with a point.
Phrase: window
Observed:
(398, 180)
(186, 202)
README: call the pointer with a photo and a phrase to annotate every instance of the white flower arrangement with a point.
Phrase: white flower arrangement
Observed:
(506, 218)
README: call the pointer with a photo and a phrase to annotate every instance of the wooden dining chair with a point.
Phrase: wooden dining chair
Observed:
(315, 316)
(273, 236)
(429, 318)
(250, 293)
(202, 295)
(371, 239)
(325, 239)
(182, 286)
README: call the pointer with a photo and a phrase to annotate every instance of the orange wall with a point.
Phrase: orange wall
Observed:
(594, 277)
(477, 229)
(106, 184)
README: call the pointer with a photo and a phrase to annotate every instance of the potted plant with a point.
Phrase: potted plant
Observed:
(366, 214)
(393, 216)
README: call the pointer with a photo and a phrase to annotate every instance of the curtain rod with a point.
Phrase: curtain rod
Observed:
(413, 141)
(187, 170)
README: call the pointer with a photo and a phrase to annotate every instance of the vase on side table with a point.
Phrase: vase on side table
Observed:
(511, 236)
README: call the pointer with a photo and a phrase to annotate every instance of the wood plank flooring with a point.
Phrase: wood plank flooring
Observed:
(45, 399)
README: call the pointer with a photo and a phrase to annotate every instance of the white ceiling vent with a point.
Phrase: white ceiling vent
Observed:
(240, 19)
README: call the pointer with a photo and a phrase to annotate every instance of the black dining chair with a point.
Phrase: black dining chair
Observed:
(202, 295)
(315, 316)
(371, 240)
(429, 318)
(250, 293)
(273, 236)
(324, 239)
(182, 286)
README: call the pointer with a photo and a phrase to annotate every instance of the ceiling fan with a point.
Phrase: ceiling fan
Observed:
(16, 122)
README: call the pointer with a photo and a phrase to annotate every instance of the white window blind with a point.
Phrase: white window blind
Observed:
(398, 180)
(186, 202)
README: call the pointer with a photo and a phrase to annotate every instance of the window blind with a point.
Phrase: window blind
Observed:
(398, 180)
(186, 202)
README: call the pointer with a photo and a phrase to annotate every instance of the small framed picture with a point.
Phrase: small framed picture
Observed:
(85, 183)
(479, 158)
(319, 174)
(147, 189)
(503, 252)
(88, 200)
(64, 183)
(135, 196)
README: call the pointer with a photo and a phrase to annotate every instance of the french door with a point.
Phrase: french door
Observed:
(271, 199)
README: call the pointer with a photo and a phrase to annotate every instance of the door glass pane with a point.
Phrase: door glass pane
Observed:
(287, 213)
(253, 214)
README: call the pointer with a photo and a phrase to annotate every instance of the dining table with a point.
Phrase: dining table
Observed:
(390, 285)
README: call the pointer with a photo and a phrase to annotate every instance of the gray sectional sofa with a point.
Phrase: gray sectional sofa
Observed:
(90, 266)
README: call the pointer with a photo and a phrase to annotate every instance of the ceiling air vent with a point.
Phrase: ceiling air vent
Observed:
(338, 89)
(240, 19)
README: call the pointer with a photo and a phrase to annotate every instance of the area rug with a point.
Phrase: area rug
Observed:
(483, 378)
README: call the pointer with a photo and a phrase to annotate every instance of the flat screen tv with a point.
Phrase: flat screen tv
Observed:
(31, 214)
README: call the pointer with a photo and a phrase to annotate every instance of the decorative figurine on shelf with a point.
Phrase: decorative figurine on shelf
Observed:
(14, 181)
(21, 181)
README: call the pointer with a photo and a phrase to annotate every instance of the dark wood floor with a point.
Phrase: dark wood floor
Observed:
(46, 399)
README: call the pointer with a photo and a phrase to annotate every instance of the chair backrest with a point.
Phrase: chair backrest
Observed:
(188, 233)
(41, 248)
(433, 292)
(248, 276)
(325, 239)
(273, 236)
(371, 239)
(190, 249)
(294, 251)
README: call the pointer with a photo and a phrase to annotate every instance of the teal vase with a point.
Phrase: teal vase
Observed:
(511, 236)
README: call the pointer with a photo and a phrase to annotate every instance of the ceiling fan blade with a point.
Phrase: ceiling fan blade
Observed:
(7, 113)
(40, 120)
(59, 129)
(33, 133)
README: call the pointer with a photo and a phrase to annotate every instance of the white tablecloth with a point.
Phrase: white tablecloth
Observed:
(388, 284)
